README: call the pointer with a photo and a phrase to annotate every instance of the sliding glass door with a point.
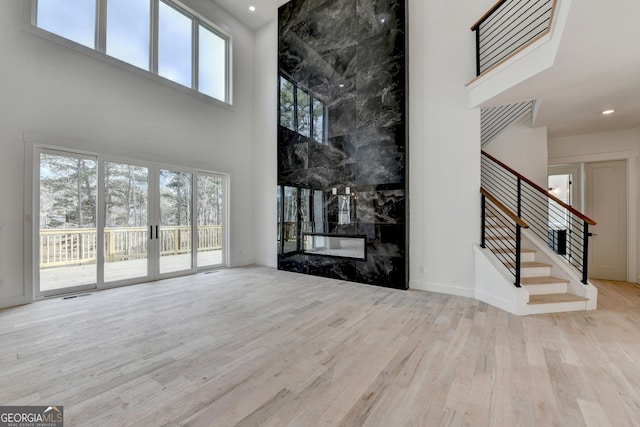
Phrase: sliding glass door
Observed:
(105, 222)
(209, 220)
(67, 226)
(176, 214)
(126, 221)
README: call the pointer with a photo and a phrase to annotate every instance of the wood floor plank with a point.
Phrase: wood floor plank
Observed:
(258, 347)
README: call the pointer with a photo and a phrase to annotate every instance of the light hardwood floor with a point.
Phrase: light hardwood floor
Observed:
(259, 347)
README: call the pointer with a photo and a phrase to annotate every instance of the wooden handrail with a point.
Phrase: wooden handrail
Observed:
(515, 218)
(541, 190)
(489, 13)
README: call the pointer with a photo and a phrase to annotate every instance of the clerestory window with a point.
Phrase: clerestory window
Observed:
(158, 36)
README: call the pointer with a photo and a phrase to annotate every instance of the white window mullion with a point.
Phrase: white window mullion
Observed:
(101, 25)
(228, 70)
(195, 46)
(153, 37)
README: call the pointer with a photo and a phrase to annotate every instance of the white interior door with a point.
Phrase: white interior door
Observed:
(606, 203)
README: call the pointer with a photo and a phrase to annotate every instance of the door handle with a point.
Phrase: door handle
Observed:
(591, 234)
(157, 232)
(151, 232)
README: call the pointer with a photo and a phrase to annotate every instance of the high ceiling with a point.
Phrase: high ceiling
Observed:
(266, 10)
(597, 66)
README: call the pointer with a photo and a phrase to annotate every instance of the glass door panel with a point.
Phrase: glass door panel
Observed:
(174, 239)
(126, 231)
(67, 243)
(209, 217)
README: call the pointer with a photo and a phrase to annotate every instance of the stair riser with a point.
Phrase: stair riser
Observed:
(554, 288)
(555, 307)
(535, 272)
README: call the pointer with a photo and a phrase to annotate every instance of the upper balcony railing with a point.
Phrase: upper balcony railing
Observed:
(508, 27)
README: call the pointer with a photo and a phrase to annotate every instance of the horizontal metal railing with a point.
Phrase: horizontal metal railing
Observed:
(562, 227)
(63, 247)
(502, 233)
(494, 120)
(509, 26)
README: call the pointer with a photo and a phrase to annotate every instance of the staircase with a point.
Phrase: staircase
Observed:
(534, 247)
(516, 266)
(546, 292)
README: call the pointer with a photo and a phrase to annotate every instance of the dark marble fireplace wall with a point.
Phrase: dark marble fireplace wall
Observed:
(350, 56)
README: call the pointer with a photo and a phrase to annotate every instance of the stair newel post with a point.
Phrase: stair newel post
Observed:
(483, 222)
(518, 255)
(585, 252)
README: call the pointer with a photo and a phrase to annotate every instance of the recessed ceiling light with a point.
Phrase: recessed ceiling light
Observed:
(252, 8)
(607, 112)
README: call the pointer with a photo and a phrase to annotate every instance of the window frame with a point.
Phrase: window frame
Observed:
(296, 120)
(99, 51)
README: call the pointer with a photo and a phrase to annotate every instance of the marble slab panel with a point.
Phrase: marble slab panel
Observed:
(380, 163)
(383, 47)
(382, 207)
(378, 16)
(293, 157)
(335, 268)
(327, 177)
(382, 271)
(380, 80)
(381, 111)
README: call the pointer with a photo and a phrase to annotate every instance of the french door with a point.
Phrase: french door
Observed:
(107, 222)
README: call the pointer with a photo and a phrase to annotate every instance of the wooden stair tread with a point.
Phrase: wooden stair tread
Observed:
(555, 298)
(542, 280)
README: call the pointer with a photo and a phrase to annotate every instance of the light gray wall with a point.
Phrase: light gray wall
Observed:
(265, 155)
(524, 149)
(77, 101)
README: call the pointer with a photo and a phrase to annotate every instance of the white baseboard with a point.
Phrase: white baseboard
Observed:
(442, 288)
(13, 301)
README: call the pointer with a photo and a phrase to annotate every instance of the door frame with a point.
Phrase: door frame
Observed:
(33, 144)
(631, 159)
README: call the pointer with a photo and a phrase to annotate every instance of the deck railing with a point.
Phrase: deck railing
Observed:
(79, 246)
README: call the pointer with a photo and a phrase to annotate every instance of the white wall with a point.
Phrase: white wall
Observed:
(444, 140)
(81, 102)
(623, 144)
(265, 157)
(595, 145)
(524, 149)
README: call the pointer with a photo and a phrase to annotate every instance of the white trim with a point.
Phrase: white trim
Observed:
(442, 288)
